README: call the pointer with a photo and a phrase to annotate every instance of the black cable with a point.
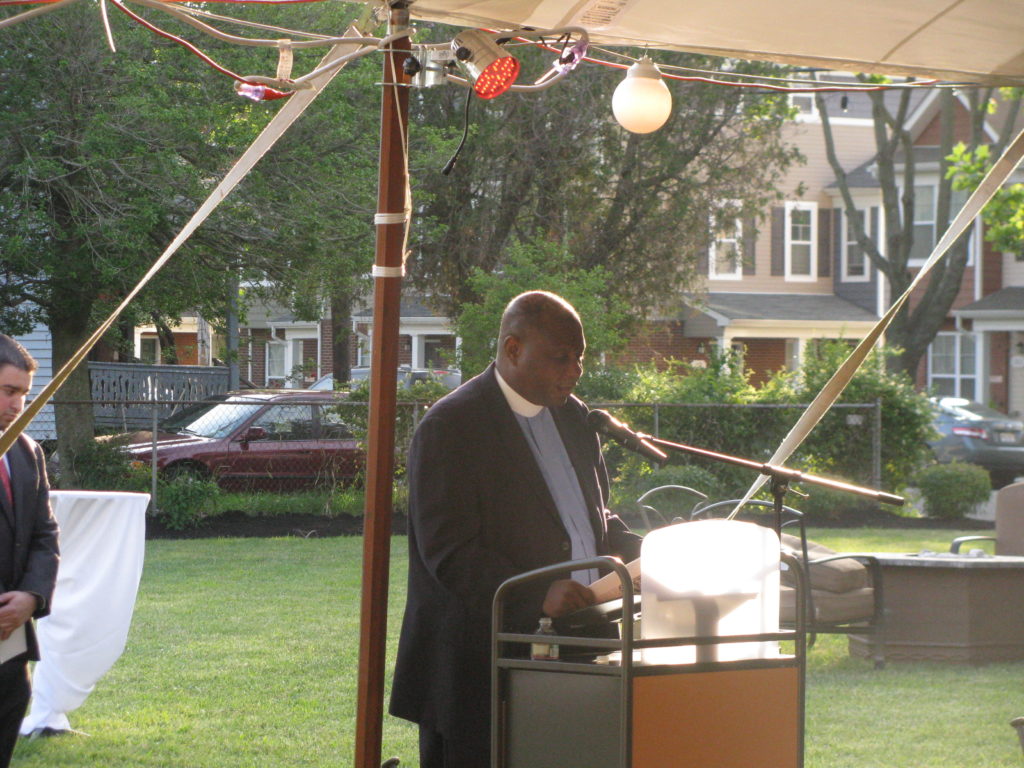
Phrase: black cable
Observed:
(465, 132)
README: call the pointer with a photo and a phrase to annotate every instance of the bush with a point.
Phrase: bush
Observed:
(185, 500)
(104, 466)
(951, 491)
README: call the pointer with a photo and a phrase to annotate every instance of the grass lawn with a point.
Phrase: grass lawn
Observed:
(243, 652)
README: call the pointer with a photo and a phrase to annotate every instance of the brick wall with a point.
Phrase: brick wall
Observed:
(999, 370)
(763, 357)
(659, 342)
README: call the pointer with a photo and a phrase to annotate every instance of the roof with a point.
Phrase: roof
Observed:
(1007, 302)
(787, 307)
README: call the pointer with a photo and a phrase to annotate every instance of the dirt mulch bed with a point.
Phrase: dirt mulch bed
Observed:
(242, 525)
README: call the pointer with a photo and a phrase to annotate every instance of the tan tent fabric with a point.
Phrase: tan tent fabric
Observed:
(971, 40)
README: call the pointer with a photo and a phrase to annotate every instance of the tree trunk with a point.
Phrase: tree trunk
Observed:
(341, 322)
(73, 401)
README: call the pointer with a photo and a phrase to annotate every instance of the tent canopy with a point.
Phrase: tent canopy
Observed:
(979, 41)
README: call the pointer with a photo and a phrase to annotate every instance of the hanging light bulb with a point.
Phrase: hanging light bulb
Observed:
(642, 102)
(491, 69)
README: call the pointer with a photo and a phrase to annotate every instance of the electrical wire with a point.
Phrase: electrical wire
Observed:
(465, 132)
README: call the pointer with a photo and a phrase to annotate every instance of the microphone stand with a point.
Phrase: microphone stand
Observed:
(780, 477)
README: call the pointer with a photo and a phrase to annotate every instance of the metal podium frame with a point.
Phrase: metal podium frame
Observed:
(614, 683)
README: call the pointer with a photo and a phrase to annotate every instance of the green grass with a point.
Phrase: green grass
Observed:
(243, 652)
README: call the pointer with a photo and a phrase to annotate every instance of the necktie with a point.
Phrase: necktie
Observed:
(5, 475)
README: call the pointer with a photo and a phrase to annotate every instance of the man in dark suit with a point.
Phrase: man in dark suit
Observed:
(504, 477)
(28, 545)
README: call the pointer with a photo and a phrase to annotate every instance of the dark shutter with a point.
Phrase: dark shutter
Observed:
(837, 241)
(749, 246)
(824, 242)
(778, 241)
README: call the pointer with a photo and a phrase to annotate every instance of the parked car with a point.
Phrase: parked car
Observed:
(975, 433)
(270, 440)
(406, 377)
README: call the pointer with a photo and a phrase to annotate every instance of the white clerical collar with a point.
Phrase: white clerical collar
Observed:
(517, 402)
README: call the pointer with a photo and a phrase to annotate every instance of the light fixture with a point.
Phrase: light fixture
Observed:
(491, 69)
(642, 102)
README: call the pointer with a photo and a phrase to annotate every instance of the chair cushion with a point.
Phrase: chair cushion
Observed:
(855, 605)
(834, 576)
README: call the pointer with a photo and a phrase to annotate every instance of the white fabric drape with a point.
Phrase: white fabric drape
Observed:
(102, 541)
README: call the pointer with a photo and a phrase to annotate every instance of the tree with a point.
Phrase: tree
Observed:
(543, 266)
(109, 155)
(914, 328)
(555, 167)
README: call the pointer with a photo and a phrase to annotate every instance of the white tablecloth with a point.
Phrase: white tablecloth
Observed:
(102, 542)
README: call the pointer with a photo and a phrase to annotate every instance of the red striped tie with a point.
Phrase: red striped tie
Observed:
(5, 475)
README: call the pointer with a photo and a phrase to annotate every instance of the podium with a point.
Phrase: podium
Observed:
(579, 713)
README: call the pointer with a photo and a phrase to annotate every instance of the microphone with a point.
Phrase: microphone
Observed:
(606, 424)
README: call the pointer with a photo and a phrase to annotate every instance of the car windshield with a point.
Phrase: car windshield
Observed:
(222, 420)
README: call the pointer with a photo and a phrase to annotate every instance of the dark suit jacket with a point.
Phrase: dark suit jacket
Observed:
(479, 513)
(28, 532)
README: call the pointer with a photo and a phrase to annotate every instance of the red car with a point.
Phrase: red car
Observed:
(275, 440)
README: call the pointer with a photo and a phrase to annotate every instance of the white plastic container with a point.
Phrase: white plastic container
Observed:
(710, 577)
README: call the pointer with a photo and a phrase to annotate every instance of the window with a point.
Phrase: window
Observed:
(725, 256)
(802, 102)
(925, 234)
(952, 365)
(855, 264)
(149, 350)
(275, 360)
(801, 237)
(286, 422)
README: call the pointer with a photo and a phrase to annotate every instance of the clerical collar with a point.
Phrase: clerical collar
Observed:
(517, 402)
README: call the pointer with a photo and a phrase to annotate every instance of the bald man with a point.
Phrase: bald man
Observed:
(504, 477)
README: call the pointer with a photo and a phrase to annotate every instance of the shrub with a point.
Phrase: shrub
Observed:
(951, 491)
(104, 466)
(185, 500)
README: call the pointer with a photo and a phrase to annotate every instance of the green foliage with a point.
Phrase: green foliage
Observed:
(951, 491)
(103, 465)
(184, 500)
(1004, 214)
(838, 447)
(542, 266)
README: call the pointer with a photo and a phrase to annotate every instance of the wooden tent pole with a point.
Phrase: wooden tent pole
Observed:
(380, 456)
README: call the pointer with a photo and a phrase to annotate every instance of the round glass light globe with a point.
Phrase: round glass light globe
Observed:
(642, 102)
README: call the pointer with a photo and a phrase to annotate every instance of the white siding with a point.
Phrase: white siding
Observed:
(43, 427)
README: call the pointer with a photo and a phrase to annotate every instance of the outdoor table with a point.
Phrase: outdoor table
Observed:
(102, 541)
(946, 607)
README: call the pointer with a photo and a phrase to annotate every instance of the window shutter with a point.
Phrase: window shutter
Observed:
(824, 242)
(837, 241)
(875, 223)
(704, 260)
(749, 246)
(778, 241)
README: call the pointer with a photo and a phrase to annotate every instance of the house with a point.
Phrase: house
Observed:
(38, 344)
(774, 285)
(277, 349)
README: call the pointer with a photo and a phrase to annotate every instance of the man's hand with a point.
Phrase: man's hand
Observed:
(15, 609)
(566, 596)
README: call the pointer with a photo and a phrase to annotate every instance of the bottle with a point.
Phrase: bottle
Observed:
(541, 650)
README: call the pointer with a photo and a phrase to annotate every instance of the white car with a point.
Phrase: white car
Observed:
(406, 376)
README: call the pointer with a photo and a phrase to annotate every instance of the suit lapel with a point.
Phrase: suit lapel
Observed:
(13, 466)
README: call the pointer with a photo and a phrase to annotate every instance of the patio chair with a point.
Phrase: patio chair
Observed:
(1009, 538)
(680, 505)
(845, 594)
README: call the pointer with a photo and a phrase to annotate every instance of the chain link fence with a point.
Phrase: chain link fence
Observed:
(314, 443)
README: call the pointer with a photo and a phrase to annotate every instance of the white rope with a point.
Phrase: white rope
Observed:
(287, 115)
(380, 271)
(994, 179)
